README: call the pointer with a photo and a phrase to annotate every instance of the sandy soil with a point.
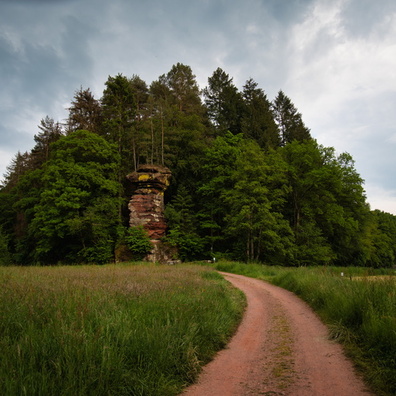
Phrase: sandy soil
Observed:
(280, 348)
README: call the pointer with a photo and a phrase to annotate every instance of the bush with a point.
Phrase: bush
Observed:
(138, 242)
(5, 256)
(189, 245)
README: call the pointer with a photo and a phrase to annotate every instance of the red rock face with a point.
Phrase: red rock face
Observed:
(147, 203)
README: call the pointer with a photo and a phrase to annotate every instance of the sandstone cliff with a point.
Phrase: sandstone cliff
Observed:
(147, 205)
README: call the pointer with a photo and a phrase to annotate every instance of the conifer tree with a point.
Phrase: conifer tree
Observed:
(119, 110)
(17, 168)
(182, 122)
(142, 142)
(159, 105)
(289, 120)
(223, 102)
(257, 119)
(85, 112)
(51, 131)
(184, 89)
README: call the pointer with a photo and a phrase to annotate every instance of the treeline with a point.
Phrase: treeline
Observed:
(249, 181)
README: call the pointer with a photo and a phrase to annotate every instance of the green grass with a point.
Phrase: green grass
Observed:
(111, 330)
(359, 309)
(257, 271)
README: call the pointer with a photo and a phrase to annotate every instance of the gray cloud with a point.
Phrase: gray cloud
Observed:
(37, 2)
(361, 17)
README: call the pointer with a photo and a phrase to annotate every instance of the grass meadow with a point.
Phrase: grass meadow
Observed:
(358, 307)
(111, 330)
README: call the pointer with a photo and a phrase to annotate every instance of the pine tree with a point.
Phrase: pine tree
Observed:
(289, 120)
(160, 107)
(258, 120)
(223, 102)
(51, 131)
(141, 142)
(180, 117)
(119, 111)
(184, 89)
(17, 168)
(85, 112)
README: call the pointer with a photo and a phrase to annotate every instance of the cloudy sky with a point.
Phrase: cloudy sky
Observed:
(335, 59)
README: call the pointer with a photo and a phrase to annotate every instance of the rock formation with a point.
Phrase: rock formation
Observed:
(147, 205)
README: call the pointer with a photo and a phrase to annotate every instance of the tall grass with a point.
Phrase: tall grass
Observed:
(359, 309)
(257, 271)
(361, 314)
(111, 330)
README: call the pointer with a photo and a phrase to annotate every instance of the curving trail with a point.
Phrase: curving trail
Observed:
(280, 348)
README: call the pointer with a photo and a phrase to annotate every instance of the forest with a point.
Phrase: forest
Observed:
(249, 182)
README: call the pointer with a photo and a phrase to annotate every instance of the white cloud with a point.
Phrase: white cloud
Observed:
(381, 198)
(329, 64)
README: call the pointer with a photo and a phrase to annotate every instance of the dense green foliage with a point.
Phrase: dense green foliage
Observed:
(5, 256)
(248, 180)
(69, 204)
(138, 241)
(111, 330)
(359, 309)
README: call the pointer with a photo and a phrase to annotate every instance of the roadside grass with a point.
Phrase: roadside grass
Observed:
(358, 307)
(111, 330)
(257, 271)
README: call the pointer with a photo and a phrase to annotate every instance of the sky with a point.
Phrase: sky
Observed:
(335, 59)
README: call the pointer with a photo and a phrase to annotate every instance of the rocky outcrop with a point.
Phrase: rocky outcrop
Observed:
(147, 205)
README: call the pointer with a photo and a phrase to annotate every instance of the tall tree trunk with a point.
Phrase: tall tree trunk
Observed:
(251, 247)
(247, 247)
(162, 138)
(152, 141)
(120, 177)
(135, 160)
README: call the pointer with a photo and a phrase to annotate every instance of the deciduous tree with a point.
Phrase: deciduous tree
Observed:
(72, 216)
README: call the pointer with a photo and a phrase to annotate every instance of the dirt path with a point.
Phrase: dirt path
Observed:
(280, 348)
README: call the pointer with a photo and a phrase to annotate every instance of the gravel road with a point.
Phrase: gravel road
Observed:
(280, 348)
